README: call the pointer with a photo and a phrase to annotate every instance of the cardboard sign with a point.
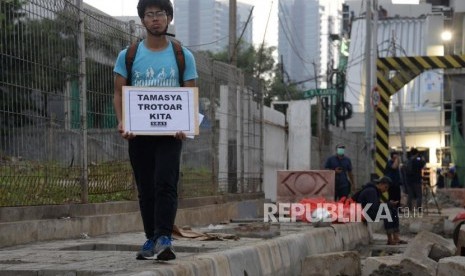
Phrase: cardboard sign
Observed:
(160, 110)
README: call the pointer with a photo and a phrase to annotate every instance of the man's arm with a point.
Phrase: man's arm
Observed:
(190, 83)
(118, 97)
(351, 179)
(119, 82)
(396, 163)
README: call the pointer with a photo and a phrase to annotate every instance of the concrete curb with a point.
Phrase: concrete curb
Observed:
(46, 223)
(279, 256)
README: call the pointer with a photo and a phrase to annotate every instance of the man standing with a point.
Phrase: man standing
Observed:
(414, 186)
(392, 171)
(342, 165)
(155, 160)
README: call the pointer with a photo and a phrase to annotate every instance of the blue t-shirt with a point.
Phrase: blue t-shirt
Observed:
(156, 68)
(341, 178)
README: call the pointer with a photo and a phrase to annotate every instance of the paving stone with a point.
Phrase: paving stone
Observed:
(451, 266)
(338, 263)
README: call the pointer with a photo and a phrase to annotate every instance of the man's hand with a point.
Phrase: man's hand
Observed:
(126, 135)
(180, 135)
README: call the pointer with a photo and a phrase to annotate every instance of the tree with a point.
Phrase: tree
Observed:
(258, 62)
(280, 91)
(13, 100)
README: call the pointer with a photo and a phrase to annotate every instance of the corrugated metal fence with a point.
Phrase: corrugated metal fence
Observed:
(60, 145)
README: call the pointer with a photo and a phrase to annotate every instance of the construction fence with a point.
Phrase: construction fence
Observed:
(58, 138)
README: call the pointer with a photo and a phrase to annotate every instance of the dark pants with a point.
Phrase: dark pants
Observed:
(414, 191)
(394, 195)
(341, 191)
(392, 226)
(155, 161)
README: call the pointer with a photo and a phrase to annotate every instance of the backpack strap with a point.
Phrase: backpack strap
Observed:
(178, 53)
(130, 56)
(180, 60)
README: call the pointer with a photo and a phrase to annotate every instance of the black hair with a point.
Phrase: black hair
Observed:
(414, 151)
(164, 5)
(392, 153)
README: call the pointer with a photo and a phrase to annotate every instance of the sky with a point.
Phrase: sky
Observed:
(260, 15)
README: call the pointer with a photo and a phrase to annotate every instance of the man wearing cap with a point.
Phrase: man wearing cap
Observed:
(342, 165)
(371, 194)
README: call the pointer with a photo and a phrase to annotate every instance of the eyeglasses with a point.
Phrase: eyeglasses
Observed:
(157, 14)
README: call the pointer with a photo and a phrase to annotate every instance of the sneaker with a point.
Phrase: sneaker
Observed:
(164, 249)
(147, 250)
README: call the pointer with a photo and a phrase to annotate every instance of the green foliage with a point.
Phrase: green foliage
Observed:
(259, 62)
(11, 21)
(280, 91)
(196, 182)
(35, 183)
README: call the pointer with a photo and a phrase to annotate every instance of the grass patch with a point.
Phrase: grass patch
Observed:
(25, 183)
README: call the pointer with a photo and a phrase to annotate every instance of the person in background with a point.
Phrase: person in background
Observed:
(371, 193)
(414, 184)
(440, 183)
(392, 171)
(454, 179)
(155, 160)
(344, 178)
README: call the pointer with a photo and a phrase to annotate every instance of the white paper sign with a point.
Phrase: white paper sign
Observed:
(160, 110)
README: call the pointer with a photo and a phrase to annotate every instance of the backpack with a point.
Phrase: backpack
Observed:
(356, 195)
(178, 53)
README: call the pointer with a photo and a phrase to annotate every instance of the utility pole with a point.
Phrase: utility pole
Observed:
(83, 102)
(232, 32)
(400, 107)
(368, 85)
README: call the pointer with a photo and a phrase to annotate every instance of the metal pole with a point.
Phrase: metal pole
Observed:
(400, 108)
(83, 102)
(232, 32)
(368, 85)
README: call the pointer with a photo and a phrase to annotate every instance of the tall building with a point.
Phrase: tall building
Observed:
(203, 25)
(304, 46)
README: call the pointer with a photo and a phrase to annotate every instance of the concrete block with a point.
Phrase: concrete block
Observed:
(328, 264)
(276, 258)
(292, 186)
(219, 262)
(243, 261)
(373, 263)
(418, 267)
(451, 266)
(449, 227)
(266, 261)
(429, 245)
(417, 225)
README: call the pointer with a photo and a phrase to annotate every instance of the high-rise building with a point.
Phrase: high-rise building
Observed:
(305, 47)
(203, 25)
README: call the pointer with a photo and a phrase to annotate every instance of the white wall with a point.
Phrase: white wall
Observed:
(300, 133)
(275, 150)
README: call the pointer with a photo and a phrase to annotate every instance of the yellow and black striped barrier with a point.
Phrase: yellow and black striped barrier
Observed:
(405, 69)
